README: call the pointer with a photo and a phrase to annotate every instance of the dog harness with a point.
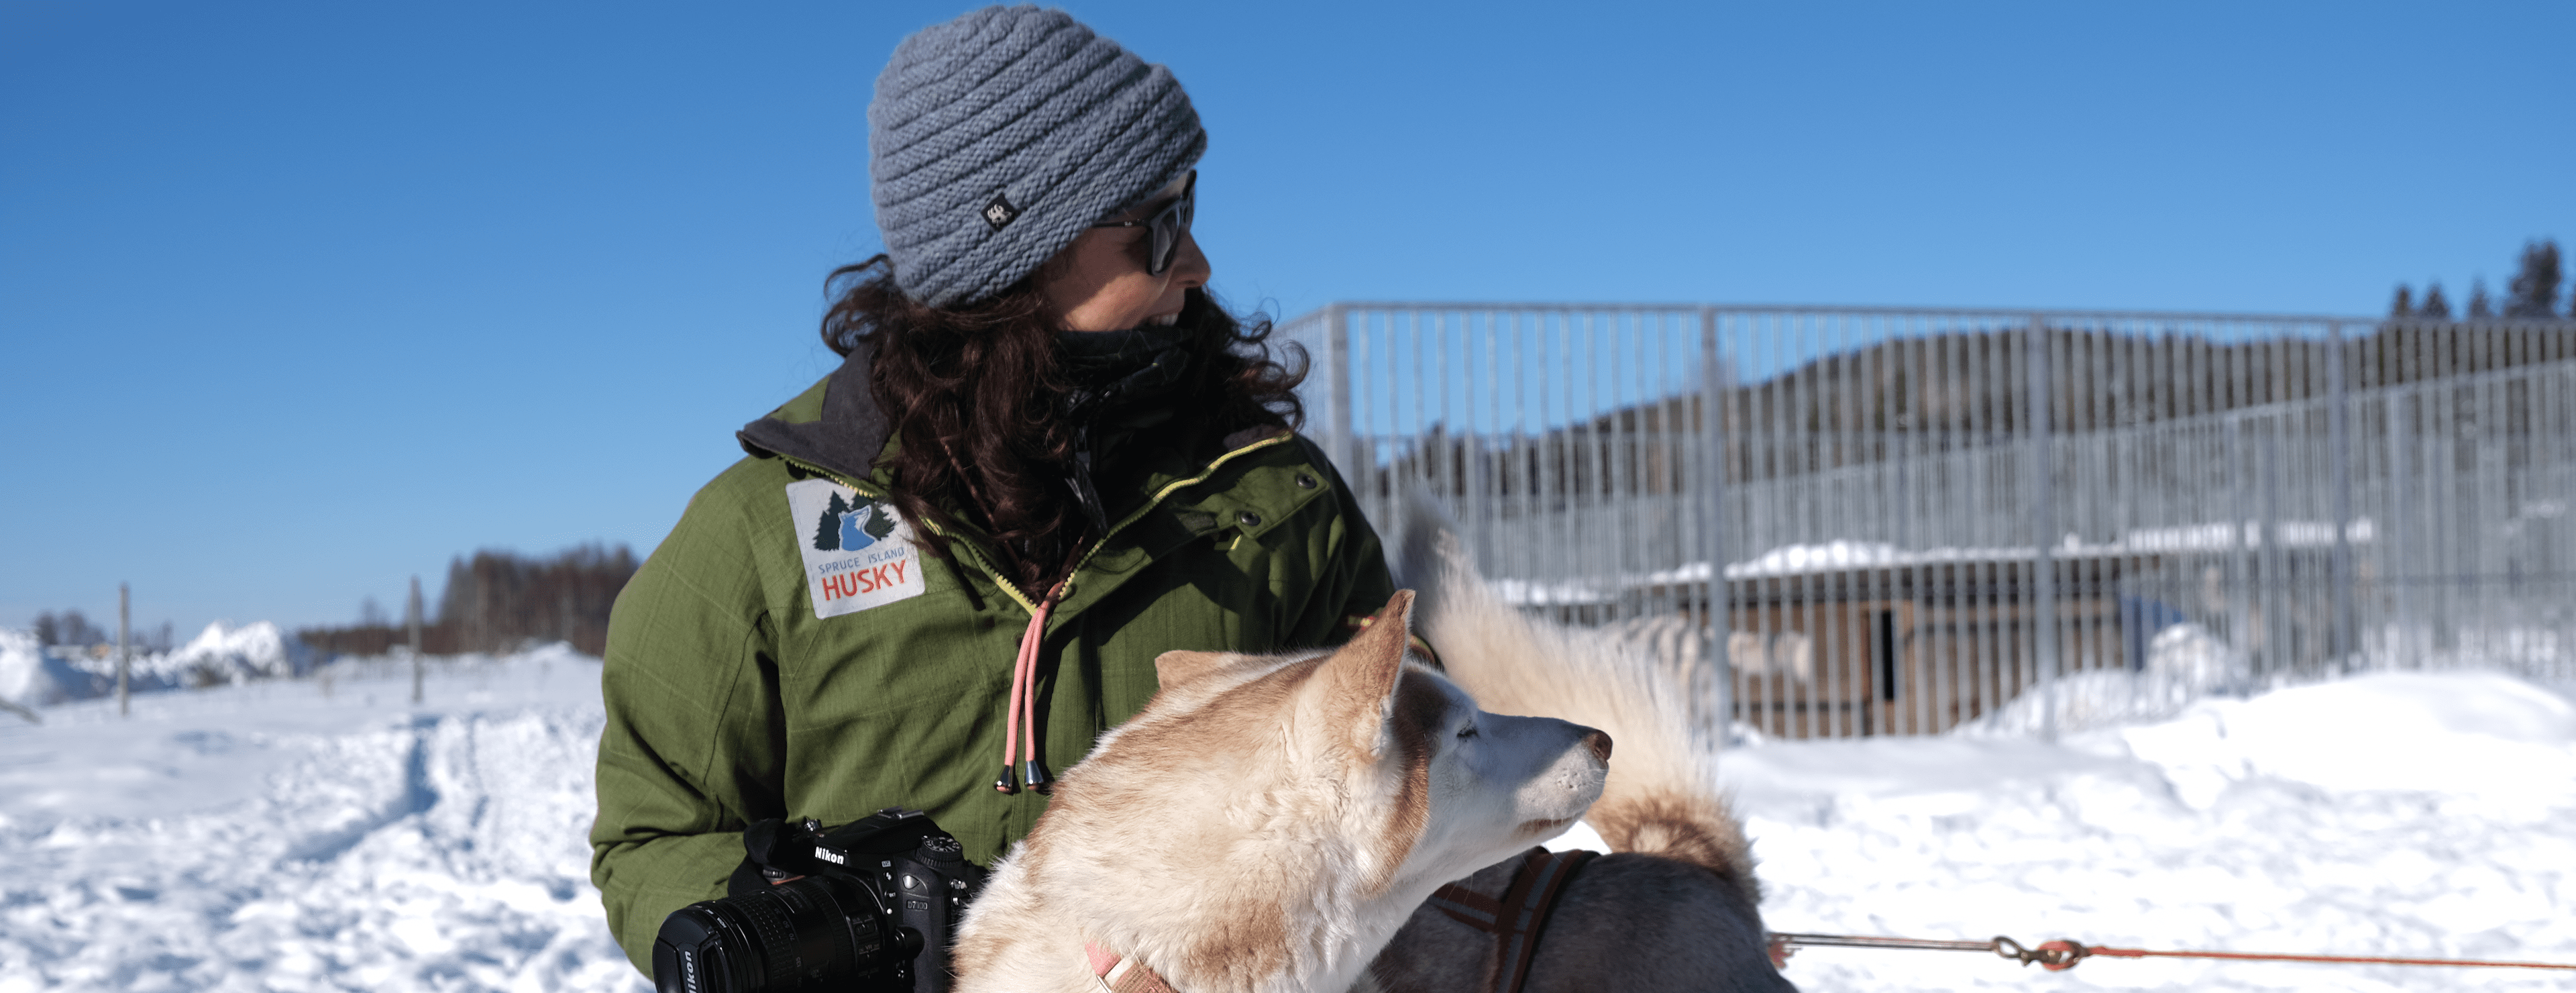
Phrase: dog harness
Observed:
(1517, 919)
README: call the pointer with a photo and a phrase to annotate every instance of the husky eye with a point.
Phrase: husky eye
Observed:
(1467, 732)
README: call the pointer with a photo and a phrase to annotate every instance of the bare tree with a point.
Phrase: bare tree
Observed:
(498, 600)
(67, 628)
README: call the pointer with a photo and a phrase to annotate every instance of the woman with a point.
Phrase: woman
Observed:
(1048, 457)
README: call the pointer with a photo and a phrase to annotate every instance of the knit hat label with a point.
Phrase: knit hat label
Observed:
(1000, 212)
(858, 551)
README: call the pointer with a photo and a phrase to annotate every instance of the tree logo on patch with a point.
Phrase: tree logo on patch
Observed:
(845, 528)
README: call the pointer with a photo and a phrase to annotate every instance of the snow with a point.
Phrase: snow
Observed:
(220, 654)
(22, 663)
(256, 650)
(1791, 560)
(322, 833)
(2185, 663)
(1843, 554)
(2432, 815)
(311, 834)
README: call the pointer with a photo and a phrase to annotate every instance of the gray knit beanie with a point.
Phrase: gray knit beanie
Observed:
(996, 138)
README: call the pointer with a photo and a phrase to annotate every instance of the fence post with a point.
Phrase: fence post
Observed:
(2042, 498)
(2339, 455)
(1717, 599)
(411, 627)
(2395, 567)
(1337, 391)
(124, 621)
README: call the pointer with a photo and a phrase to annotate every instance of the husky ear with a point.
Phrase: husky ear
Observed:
(1176, 668)
(1358, 682)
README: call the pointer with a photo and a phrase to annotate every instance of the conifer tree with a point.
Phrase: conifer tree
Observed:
(2435, 305)
(2404, 305)
(2479, 305)
(2534, 293)
(827, 531)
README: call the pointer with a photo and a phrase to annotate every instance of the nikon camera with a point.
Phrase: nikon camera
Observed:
(875, 909)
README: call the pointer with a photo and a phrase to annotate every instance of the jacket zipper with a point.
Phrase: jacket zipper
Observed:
(976, 551)
(1158, 498)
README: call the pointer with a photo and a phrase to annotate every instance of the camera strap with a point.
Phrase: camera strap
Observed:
(769, 855)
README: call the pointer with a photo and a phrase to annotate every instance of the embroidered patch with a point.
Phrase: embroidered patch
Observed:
(858, 553)
(1000, 212)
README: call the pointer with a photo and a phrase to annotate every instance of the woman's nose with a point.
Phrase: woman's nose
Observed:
(1189, 265)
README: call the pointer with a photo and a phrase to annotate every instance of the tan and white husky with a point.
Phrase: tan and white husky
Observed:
(1266, 823)
(1676, 906)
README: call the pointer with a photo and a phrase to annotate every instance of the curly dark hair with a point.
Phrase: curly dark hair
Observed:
(975, 401)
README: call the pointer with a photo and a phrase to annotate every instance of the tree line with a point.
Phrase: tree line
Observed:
(72, 629)
(2533, 294)
(498, 601)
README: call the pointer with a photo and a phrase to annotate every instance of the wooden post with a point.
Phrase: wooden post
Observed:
(411, 625)
(124, 620)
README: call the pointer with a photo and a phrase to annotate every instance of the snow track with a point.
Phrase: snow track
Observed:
(308, 843)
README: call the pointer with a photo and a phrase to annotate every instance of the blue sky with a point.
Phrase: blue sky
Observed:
(298, 300)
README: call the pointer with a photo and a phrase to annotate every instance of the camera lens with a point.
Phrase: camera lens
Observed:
(811, 932)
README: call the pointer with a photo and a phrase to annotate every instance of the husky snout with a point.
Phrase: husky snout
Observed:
(1566, 766)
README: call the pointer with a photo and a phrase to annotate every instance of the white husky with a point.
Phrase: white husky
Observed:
(1675, 907)
(1266, 823)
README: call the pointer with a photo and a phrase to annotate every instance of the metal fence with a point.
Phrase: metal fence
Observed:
(1848, 500)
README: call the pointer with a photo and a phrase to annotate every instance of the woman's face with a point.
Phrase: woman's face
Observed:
(1100, 282)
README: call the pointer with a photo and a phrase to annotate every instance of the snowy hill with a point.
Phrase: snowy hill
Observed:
(221, 654)
(22, 662)
(323, 834)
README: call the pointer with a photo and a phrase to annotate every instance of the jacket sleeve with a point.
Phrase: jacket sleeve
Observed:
(694, 745)
(1350, 566)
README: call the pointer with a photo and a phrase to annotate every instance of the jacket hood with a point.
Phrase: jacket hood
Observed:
(834, 425)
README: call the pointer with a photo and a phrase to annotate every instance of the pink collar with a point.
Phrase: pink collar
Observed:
(1126, 975)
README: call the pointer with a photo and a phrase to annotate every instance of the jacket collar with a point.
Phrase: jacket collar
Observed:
(840, 430)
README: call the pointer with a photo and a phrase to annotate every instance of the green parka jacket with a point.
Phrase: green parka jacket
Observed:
(787, 652)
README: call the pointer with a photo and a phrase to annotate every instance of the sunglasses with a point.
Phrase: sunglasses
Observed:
(1168, 225)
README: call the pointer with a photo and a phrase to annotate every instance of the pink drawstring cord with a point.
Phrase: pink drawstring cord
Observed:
(1024, 704)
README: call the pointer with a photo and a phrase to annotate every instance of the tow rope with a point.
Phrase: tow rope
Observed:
(2064, 953)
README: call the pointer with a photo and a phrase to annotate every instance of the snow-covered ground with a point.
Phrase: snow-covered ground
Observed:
(2428, 815)
(276, 836)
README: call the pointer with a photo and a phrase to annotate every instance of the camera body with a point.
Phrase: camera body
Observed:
(870, 905)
